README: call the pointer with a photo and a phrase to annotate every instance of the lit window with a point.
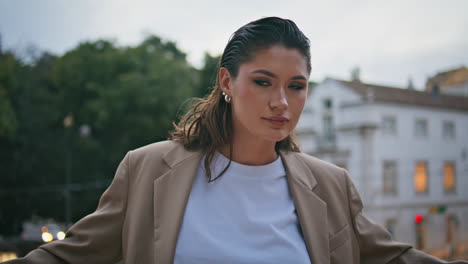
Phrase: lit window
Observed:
(420, 177)
(449, 177)
(448, 129)
(389, 125)
(420, 128)
(389, 177)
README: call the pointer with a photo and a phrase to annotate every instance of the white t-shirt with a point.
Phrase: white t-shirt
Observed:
(245, 216)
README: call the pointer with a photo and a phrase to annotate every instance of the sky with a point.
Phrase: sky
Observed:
(390, 41)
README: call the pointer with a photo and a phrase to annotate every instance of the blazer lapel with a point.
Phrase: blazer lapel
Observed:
(311, 210)
(171, 193)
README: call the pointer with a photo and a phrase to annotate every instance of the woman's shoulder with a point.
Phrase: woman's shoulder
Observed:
(168, 150)
(317, 165)
(156, 148)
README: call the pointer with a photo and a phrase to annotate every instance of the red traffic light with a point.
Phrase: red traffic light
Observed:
(418, 218)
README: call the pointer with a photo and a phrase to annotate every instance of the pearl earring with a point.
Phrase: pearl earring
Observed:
(227, 98)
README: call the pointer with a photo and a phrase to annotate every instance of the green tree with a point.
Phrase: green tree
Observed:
(9, 71)
(10, 68)
(207, 75)
(120, 98)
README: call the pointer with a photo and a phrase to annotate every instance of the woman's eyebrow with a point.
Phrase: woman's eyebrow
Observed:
(265, 72)
(299, 77)
(272, 75)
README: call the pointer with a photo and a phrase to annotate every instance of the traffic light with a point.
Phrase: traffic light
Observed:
(418, 218)
(419, 228)
(438, 209)
(441, 209)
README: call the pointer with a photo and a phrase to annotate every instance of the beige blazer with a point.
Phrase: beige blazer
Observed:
(139, 215)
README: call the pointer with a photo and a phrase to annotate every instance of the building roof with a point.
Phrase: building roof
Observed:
(380, 93)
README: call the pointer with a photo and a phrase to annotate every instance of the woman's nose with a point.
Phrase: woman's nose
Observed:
(278, 99)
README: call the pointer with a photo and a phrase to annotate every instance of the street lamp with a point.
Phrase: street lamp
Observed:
(84, 132)
(68, 123)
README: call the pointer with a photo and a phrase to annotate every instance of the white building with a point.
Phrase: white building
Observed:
(406, 150)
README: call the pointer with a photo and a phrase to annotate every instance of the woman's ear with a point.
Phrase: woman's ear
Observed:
(225, 81)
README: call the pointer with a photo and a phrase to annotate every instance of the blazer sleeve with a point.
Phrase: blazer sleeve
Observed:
(375, 242)
(96, 238)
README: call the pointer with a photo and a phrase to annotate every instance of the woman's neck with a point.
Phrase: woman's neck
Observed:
(251, 151)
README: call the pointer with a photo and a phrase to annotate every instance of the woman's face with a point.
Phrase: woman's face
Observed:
(268, 94)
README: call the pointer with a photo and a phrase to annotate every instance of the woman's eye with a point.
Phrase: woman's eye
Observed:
(296, 87)
(262, 83)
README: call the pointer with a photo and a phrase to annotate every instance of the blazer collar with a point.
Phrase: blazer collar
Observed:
(297, 169)
(178, 154)
(171, 193)
(311, 210)
(172, 190)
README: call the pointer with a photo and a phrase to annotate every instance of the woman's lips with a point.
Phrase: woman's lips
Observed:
(277, 120)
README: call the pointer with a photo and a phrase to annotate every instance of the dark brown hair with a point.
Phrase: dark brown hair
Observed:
(207, 124)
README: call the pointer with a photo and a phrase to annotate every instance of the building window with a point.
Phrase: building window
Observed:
(389, 125)
(420, 177)
(449, 177)
(448, 129)
(328, 103)
(328, 129)
(420, 128)
(389, 177)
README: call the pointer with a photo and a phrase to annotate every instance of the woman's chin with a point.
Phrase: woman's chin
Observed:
(277, 138)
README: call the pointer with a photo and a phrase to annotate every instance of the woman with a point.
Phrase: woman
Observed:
(231, 186)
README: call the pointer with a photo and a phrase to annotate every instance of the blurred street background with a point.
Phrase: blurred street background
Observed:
(83, 82)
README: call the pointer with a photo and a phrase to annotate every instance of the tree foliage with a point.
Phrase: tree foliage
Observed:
(207, 75)
(111, 98)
